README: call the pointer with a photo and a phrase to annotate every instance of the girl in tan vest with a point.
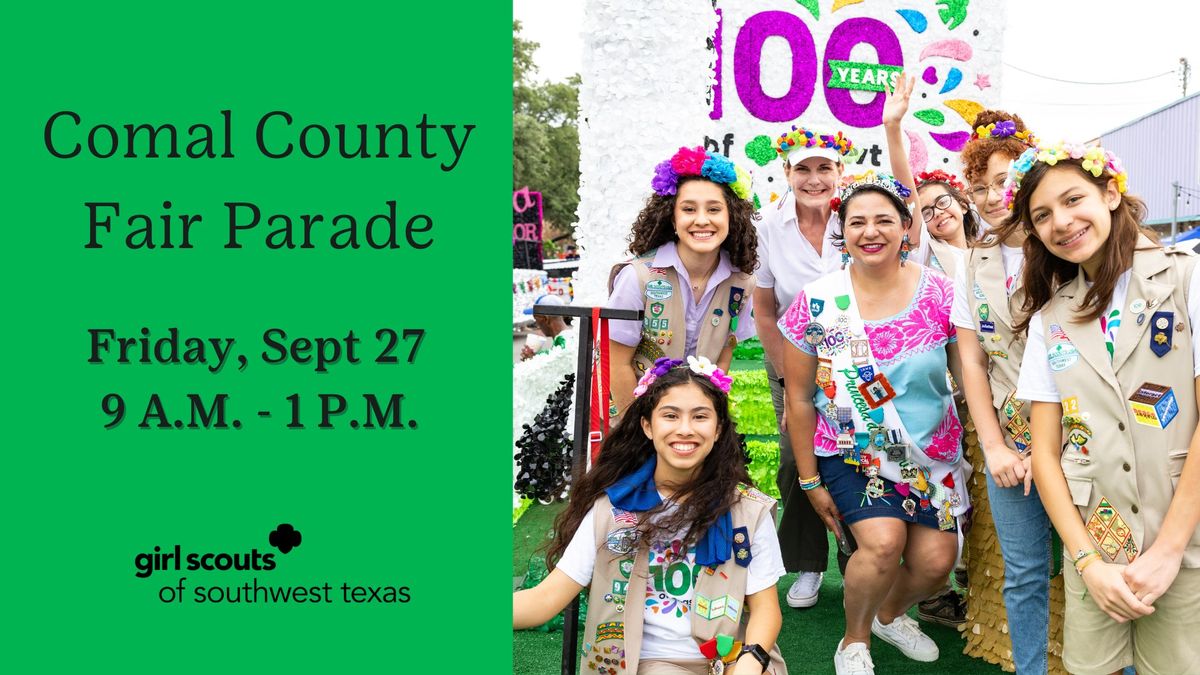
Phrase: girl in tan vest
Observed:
(987, 301)
(945, 212)
(1110, 367)
(679, 551)
(695, 251)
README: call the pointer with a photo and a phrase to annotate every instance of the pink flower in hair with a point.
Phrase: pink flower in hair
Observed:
(689, 161)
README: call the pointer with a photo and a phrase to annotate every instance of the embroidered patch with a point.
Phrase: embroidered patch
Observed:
(610, 630)
(716, 608)
(623, 517)
(1109, 531)
(1153, 405)
(622, 541)
(1061, 353)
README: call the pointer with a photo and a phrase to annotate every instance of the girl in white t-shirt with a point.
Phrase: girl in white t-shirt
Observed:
(671, 491)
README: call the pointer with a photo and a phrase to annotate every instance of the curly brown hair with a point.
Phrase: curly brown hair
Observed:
(655, 226)
(976, 152)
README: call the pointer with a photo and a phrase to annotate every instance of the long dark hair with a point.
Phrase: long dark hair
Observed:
(700, 501)
(1045, 272)
(655, 226)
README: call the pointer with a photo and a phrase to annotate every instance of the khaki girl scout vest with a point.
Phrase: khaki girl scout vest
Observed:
(613, 636)
(942, 257)
(994, 314)
(665, 324)
(1128, 422)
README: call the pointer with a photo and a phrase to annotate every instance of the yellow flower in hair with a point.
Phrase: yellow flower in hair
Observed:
(741, 186)
(1122, 179)
(1052, 154)
(1094, 161)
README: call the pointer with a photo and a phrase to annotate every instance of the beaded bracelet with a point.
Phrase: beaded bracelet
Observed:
(813, 483)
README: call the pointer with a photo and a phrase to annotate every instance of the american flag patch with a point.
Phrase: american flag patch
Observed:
(623, 517)
(1057, 334)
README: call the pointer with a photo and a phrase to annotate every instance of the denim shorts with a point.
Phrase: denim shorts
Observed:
(848, 488)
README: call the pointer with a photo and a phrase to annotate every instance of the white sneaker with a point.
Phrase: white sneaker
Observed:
(853, 660)
(904, 634)
(804, 591)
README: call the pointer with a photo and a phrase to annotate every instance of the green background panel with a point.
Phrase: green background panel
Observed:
(375, 507)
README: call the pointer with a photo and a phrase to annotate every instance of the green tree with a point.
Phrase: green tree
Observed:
(545, 136)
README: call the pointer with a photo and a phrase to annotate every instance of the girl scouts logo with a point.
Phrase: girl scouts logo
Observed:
(816, 306)
(1062, 353)
(658, 289)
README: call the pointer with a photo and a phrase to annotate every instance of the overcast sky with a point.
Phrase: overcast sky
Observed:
(1085, 41)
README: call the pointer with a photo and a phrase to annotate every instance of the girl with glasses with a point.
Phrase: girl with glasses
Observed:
(945, 211)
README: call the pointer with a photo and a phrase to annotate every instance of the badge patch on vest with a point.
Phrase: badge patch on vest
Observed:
(741, 546)
(610, 630)
(1109, 531)
(622, 541)
(735, 307)
(608, 660)
(816, 306)
(715, 608)
(1153, 405)
(659, 289)
(1160, 333)
(1062, 353)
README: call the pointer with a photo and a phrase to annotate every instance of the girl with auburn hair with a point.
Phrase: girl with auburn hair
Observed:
(990, 324)
(873, 423)
(1111, 368)
(695, 251)
(677, 546)
(938, 197)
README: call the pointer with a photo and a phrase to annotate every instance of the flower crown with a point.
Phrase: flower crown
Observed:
(1096, 160)
(1003, 129)
(884, 181)
(700, 366)
(696, 162)
(939, 176)
(799, 137)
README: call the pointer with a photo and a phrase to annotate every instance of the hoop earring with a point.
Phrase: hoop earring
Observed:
(905, 247)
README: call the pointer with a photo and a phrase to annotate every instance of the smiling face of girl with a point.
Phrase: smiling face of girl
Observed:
(701, 216)
(1072, 216)
(943, 213)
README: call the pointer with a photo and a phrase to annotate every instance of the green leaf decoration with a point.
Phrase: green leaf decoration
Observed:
(931, 117)
(812, 6)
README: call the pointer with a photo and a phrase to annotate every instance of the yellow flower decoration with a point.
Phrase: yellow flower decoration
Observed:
(1121, 179)
(1094, 161)
(1052, 154)
(741, 186)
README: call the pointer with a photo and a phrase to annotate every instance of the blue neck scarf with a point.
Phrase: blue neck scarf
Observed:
(637, 492)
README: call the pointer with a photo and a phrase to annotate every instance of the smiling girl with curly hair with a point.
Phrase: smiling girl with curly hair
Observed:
(695, 250)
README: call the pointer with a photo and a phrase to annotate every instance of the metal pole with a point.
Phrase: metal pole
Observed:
(1174, 211)
(579, 455)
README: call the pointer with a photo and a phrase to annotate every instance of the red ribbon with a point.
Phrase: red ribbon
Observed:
(601, 391)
